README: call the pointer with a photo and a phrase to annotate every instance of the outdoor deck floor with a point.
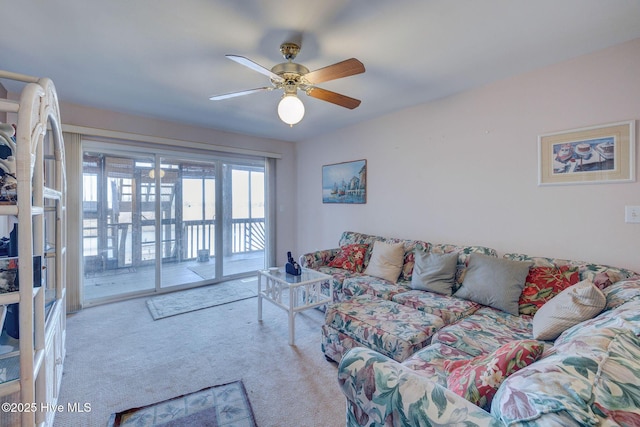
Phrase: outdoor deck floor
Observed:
(116, 283)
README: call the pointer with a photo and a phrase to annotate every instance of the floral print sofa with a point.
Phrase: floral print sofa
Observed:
(590, 376)
(401, 373)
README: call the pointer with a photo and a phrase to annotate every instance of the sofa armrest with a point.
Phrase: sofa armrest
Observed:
(318, 258)
(381, 391)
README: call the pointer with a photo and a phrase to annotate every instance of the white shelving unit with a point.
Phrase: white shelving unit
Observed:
(31, 362)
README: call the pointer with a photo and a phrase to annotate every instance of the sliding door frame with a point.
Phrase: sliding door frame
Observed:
(157, 152)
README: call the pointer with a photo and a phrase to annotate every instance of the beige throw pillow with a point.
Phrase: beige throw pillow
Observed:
(386, 261)
(575, 304)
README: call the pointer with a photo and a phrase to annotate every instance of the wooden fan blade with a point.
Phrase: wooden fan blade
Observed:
(240, 93)
(255, 66)
(333, 97)
(339, 70)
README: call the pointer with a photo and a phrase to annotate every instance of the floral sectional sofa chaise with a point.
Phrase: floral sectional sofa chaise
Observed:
(364, 294)
(564, 351)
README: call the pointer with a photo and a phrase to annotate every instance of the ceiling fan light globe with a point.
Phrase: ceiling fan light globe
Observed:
(291, 109)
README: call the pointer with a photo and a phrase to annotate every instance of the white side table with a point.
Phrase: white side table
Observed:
(293, 293)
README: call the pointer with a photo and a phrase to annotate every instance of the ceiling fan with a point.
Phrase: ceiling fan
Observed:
(291, 77)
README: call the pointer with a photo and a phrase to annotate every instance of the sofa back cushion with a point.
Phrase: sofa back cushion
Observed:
(543, 283)
(464, 252)
(622, 292)
(625, 316)
(601, 275)
(351, 237)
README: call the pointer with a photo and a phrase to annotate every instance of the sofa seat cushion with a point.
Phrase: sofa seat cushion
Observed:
(478, 379)
(449, 309)
(385, 326)
(373, 286)
(338, 276)
(429, 361)
(485, 331)
(593, 382)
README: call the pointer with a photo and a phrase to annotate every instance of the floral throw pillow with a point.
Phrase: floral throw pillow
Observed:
(478, 379)
(543, 283)
(350, 257)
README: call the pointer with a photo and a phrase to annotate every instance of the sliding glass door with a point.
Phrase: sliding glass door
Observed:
(154, 222)
(118, 224)
(243, 225)
(188, 222)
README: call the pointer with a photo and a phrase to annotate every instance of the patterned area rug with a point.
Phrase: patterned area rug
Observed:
(196, 299)
(224, 405)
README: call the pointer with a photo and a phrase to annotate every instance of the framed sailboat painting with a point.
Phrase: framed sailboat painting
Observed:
(345, 182)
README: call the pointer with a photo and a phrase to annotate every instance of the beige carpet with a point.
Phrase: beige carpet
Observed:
(118, 357)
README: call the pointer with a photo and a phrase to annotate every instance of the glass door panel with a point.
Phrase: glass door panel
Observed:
(188, 222)
(118, 225)
(243, 218)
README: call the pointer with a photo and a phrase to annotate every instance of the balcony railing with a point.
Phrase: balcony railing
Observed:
(246, 235)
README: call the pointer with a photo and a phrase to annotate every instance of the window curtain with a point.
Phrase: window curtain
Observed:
(73, 157)
(270, 171)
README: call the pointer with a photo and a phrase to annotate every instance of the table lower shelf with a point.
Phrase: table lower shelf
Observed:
(292, 297)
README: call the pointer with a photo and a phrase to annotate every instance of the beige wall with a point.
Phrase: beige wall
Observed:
(285, 183)
(464, 169)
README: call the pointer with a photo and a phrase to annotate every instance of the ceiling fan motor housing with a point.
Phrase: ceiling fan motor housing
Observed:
(292, 75)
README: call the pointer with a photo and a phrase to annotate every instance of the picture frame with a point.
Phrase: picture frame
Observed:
(597, 154)
(345, 182)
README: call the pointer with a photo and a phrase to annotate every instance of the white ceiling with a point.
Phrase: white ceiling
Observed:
(165, 58)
